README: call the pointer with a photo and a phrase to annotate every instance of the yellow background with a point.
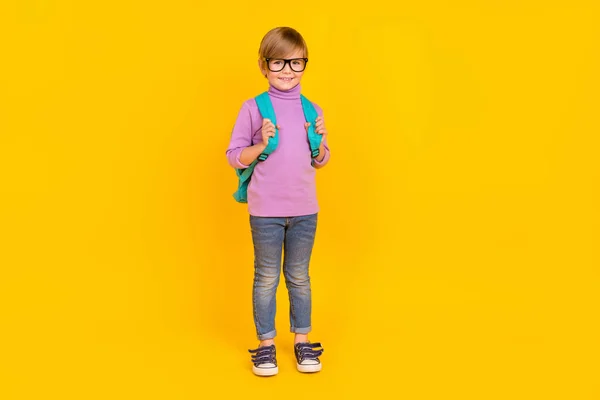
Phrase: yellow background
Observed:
(457, 252)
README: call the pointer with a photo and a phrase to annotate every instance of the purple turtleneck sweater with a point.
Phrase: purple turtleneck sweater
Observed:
(284, 184)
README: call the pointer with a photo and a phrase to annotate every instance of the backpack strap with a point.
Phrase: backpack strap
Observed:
(265, 107)
(311, 115)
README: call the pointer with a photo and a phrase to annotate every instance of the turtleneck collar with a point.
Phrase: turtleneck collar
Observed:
(292, 94)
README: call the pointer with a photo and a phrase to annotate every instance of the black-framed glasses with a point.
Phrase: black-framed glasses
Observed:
(278, 64)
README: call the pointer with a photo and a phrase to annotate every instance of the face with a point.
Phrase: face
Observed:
(287, 78)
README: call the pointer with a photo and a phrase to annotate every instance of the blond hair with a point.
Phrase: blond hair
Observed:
(279, 42)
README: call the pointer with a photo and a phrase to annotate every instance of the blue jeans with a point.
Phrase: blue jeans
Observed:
(296, 235)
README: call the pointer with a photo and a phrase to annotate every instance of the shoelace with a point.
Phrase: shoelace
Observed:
(306, 351)
(265, 354)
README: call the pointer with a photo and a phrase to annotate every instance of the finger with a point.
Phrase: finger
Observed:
(266, 120)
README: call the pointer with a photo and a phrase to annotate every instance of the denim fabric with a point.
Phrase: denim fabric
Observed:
(292, 237)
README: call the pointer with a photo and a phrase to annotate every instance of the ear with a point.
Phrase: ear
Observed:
(261, 66)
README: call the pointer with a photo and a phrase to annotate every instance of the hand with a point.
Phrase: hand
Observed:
(319, 127)
(268, 130)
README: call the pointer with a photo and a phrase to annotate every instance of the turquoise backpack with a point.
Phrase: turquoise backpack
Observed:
(265, 107)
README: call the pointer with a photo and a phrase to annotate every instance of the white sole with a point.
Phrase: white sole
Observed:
(308, 367)
(265, 371)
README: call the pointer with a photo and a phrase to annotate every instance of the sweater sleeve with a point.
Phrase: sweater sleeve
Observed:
(241, 137)
(325, 160)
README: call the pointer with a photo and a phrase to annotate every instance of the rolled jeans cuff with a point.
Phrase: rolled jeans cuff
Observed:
(300, 330)
(268, 335)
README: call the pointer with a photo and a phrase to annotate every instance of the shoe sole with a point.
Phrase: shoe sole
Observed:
(265, 371)
(309, 367)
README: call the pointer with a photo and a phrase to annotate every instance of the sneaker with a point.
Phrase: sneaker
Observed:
(307, 356)
(265, 363)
